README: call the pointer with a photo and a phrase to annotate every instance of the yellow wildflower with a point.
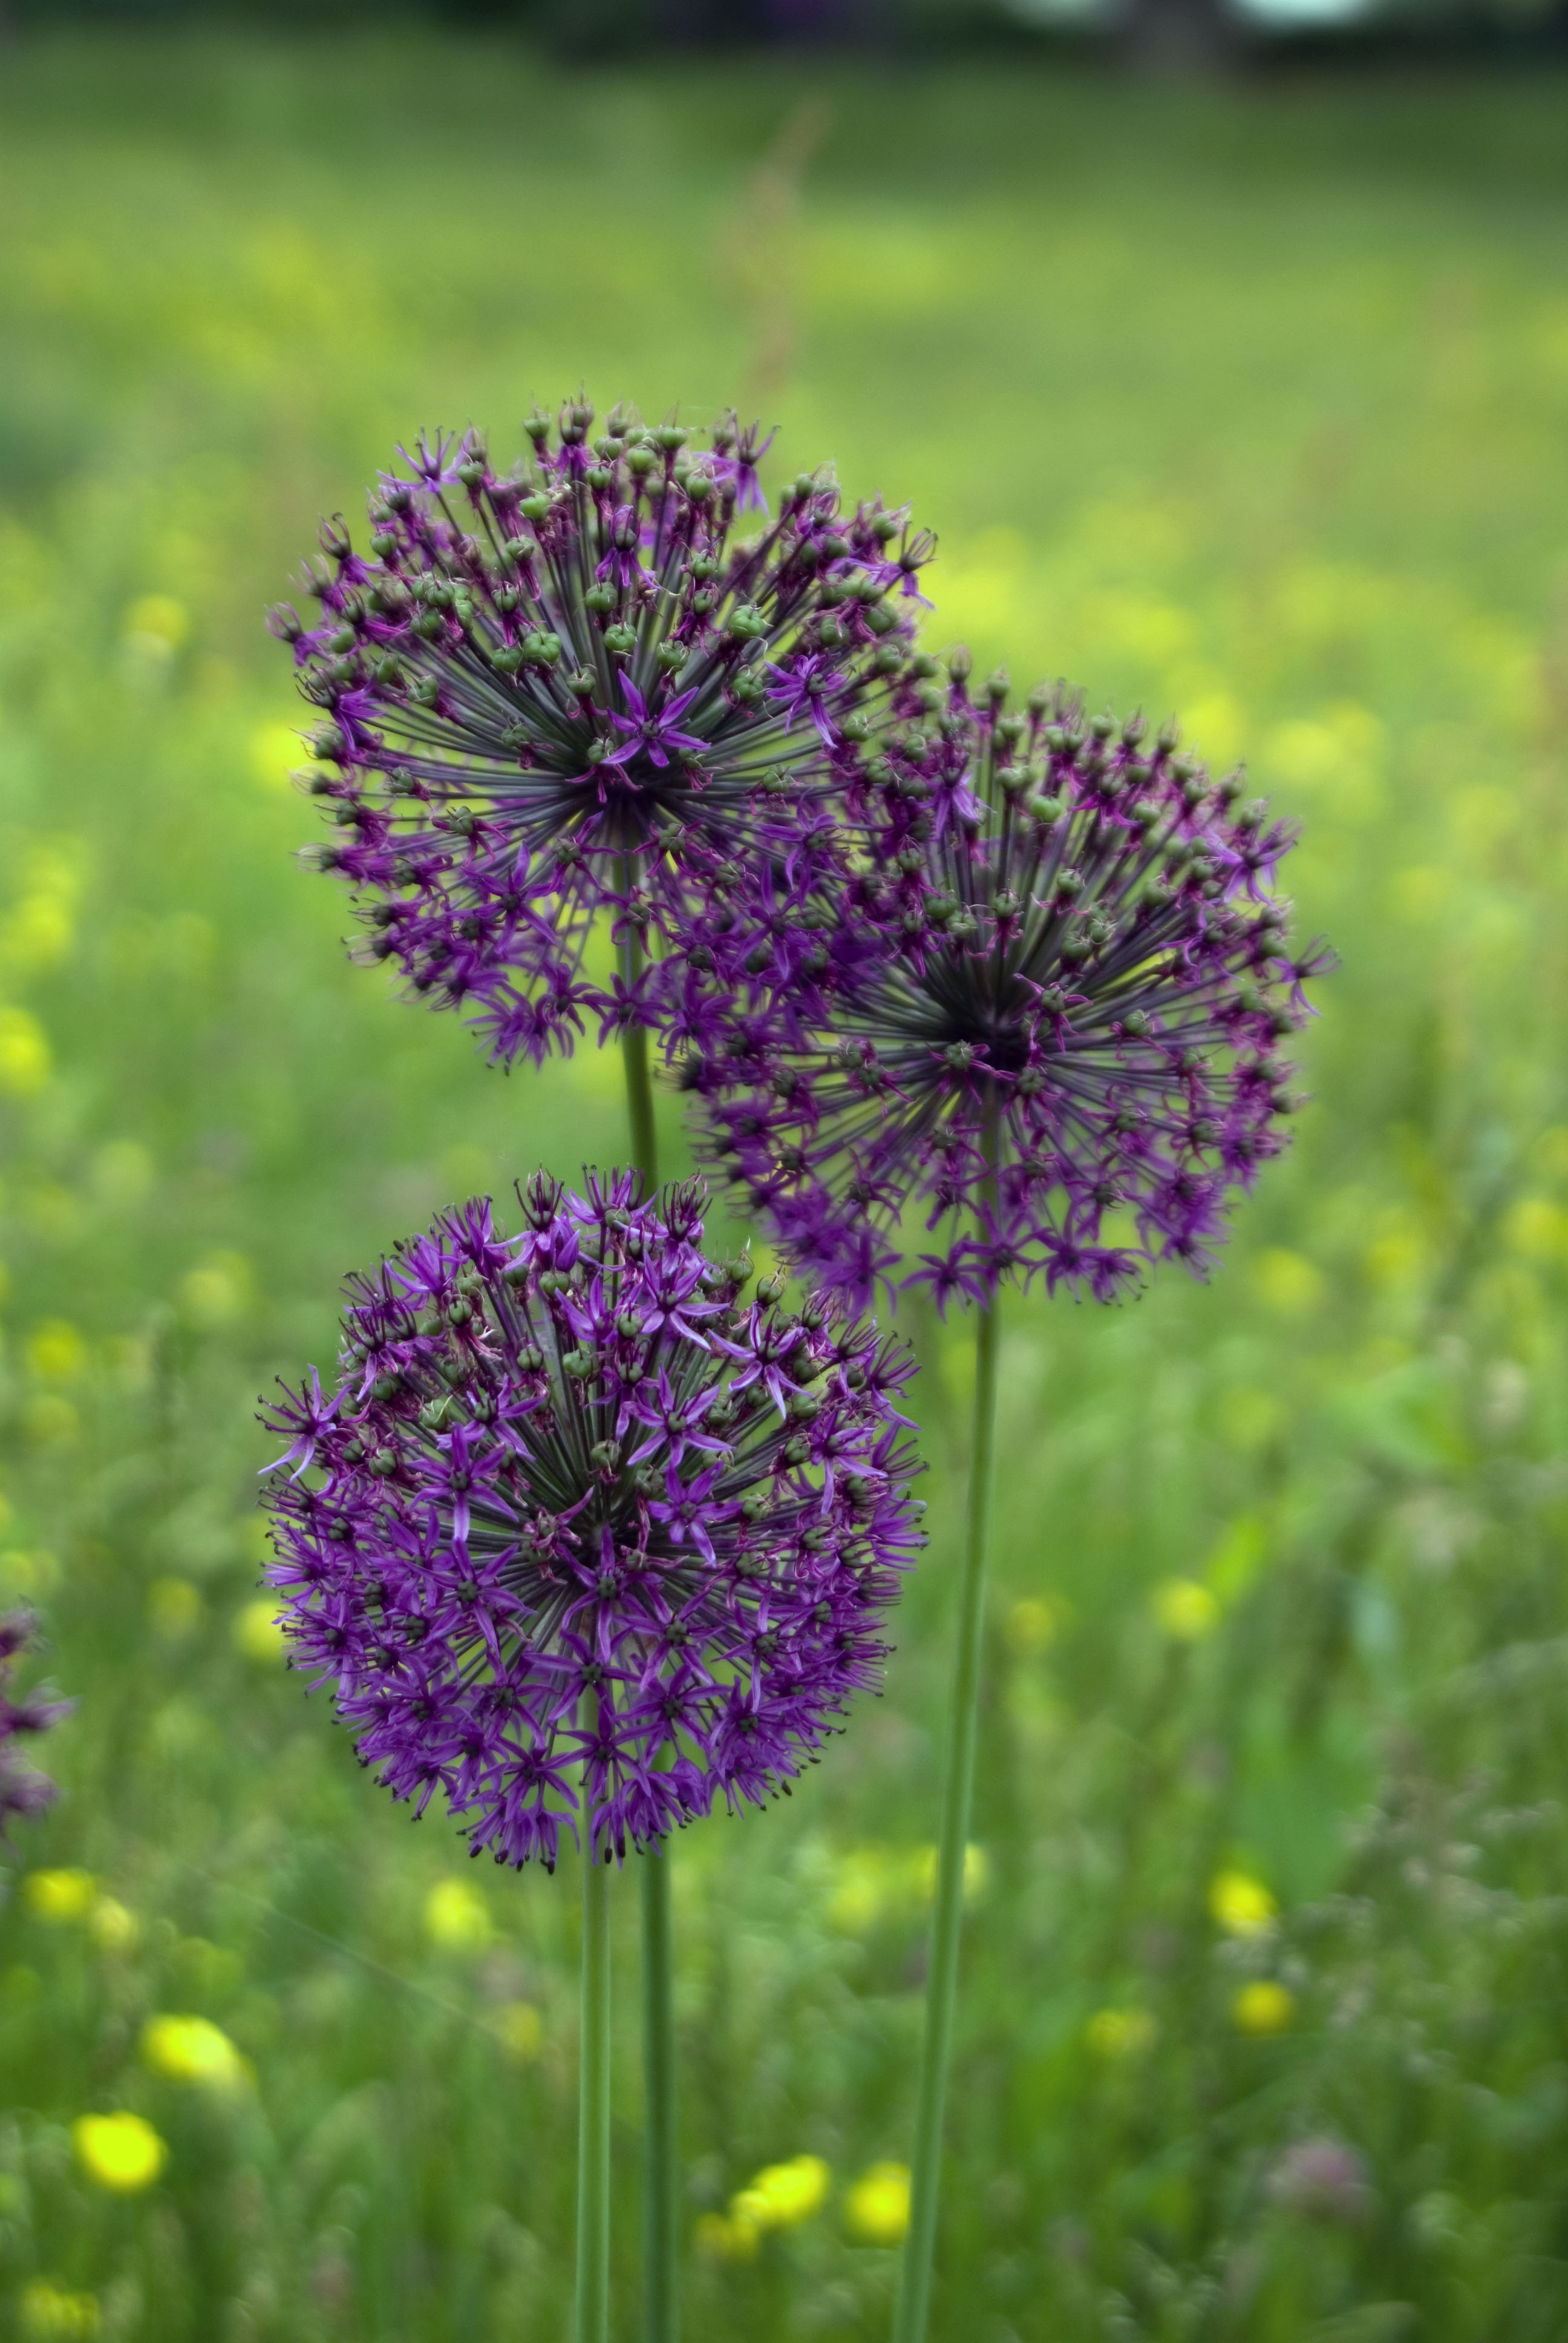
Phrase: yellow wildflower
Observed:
(193, 2050)
(1185, 1609)
(60, 1897)
(118, 2152)
(782, 2195)
(457, 1917)
(877, 2208)
(1241, 1905)
(1263, 2007)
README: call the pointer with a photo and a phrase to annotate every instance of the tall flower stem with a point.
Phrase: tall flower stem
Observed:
(941, 1987)
(661, 2318)
(593, 2116)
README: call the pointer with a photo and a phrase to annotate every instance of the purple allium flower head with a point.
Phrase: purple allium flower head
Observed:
(579, 1537)
(1044, 1011)
(570, 689)
(23, 1790)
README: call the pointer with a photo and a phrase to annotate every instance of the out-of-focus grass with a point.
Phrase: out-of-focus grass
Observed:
(1251, 406)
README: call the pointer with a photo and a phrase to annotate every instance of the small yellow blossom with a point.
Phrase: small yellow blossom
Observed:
(1263, 2007)
(1185, 1609)
(24, 1061)
(60, 1898)
(256, 1631)
(118, 2152)
(1121, 2033)
(49, 2315)
(521, 2030)
(114, 1926)
(457, 1917)
(783, 2195)
(877, 2208)
(1241, 1905)
(193, 2050)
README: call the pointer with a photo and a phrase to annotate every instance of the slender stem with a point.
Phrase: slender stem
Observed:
(661, 2264)
(941, 1985)
(662, 2250)
(593, 2118)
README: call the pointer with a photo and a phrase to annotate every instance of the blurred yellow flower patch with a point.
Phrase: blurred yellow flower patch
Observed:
(25, 1063)
(193, 2050)
(1185, 1610)
(50, 2315)
(1121, 2033)
(276, 751)
(1287, 1282)
(1241, 1905)
(28, 1573)
(1265, 2008)
(1537, 1227)
(876, 2207)
(60, 1898)
(56, 1353)
(876, 1883)
(977, 1873)
(781, 2196)
(256, 1631)
(121, 2152)
(1216, 724)
(457, 1917)
(113, 1926)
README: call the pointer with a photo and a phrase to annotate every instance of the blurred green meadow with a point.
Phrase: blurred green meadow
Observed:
(1251, 404)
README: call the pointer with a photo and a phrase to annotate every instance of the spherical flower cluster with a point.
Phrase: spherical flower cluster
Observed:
(23, 1789)
(570, 689)
(582, 1537)
(1048, 1013)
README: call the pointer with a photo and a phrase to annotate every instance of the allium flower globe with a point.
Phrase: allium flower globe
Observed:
(571, 689)
(1048, 1017)
(581, 1537)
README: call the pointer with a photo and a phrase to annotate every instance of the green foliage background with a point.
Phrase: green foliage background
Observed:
(1252, 407)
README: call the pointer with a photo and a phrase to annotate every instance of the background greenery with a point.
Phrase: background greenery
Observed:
(1250, 407)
